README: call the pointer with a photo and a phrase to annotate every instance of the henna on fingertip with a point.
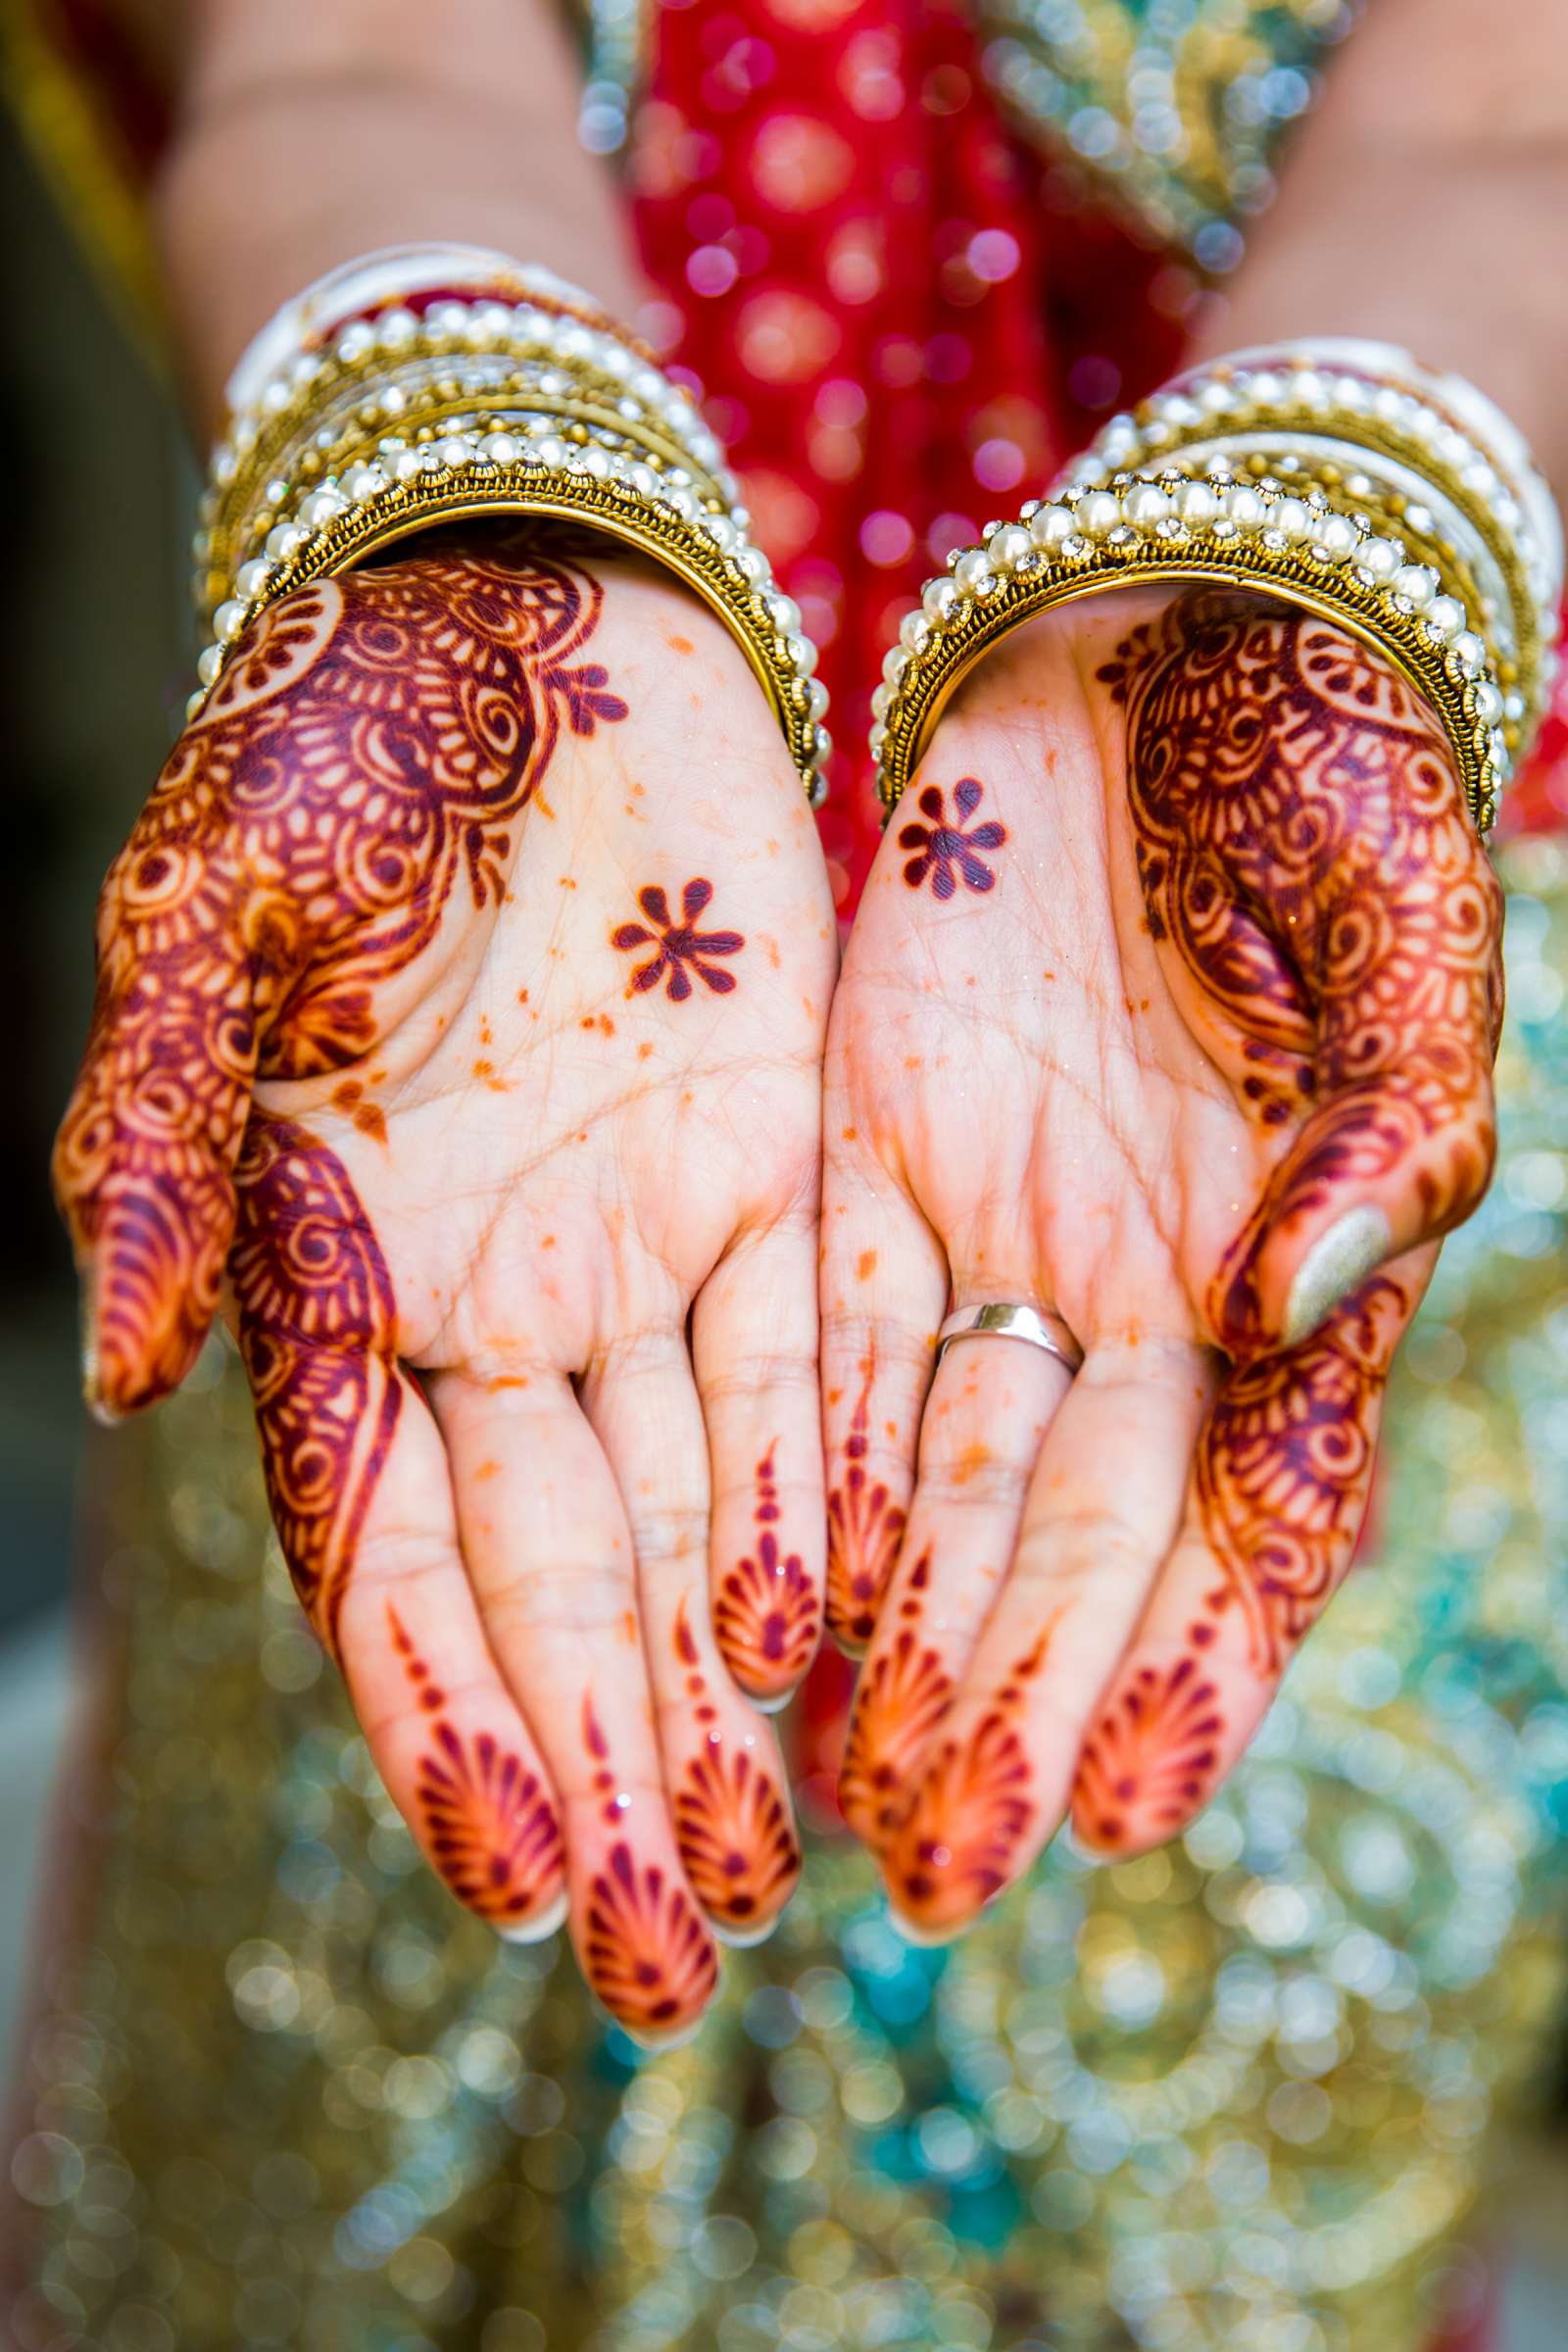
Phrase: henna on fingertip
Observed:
(864, 1528)
(767, 1615)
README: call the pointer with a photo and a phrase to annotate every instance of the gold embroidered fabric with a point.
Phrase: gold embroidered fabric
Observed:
(282, 2092)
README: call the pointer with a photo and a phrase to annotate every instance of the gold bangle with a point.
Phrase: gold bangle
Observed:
(566, 479)
(1168, 530)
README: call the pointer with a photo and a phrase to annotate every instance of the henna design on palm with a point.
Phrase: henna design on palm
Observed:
(946, 849)
(1304, 850)
(767, 1616)
(678, 949)
(367, 750)
(492, 1828)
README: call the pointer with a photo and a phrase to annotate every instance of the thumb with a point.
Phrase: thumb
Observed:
(143, 1162)
(1400, 1144)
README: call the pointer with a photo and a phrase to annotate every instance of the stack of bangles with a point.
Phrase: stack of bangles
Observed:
(1340, 477)
(431, 384)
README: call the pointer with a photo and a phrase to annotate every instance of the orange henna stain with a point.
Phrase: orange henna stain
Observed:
(903, 1697)
(865, 1265)
(679, 645)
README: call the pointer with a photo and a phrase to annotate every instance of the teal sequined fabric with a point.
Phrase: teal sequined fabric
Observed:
(281, 2093)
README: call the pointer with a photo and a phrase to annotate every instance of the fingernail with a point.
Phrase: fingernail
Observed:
(93, 1394)
(1338, 1261)
(744, 1939)
(655, 2045)
(926, 1939)
(548, 1922)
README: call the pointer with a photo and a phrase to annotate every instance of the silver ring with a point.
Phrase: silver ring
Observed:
(998, 1320)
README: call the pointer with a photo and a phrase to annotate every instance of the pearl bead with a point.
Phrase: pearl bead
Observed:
(230, 619)
(1308, 390)
(915, 631)
(938, 598)
(1292, 518)
(1007, 547)
(1197, 504)
(1144, 504)
(1445, 616)
(551, 451)
(972, 575)
(594, 463)
(1418, 519)
(1267, 390)
(876, 739)
(251, 578)
(1245, 508)
(282, 540)
(1470, 653)
(895, 662)
(753, 565)
(784, 613)
(356, 341)
(490, 324)
(1099, 515)
(1489, 703)
(1382, 557)
(500, 448)
(803, 655)
(210, 662)
(816, 697)
(1337, 536)
(447, 322)
(322, 506)
(452, 450)
(396, 329)
(1050, 526)
(881, 702)
(1417, 583)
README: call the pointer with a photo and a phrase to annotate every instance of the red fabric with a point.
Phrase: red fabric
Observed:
(860, 269)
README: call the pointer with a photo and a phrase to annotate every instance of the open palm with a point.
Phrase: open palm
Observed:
(463, 990)
(1170, 1010)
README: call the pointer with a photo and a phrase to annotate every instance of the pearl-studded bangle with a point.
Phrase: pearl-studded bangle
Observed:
(1167, 529)
(1443, 462)
(1341, 476)
(410, 419)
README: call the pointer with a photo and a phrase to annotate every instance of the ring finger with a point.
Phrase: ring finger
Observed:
(991, 1402)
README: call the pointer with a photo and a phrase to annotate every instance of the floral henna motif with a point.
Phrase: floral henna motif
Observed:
(947, 852)
(1305, 850)
(678, 949)
(646, 1952)
(490, 1825)
(1149, 1762)
(769, 1614)
(1283, 1468)
(958, 1844)
(318, 1333)
(903, 1697)
(733, 1828)
(863, 1530)
(369, 746)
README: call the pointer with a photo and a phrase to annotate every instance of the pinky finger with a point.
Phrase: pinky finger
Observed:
(360, 1491)
(1279, 1493)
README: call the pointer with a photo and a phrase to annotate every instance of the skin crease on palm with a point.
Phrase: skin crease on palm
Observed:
(550, 1140)
(1179, 950)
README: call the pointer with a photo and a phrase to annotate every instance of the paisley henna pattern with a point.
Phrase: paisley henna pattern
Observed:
(367, 750)
(958, 1844)
(490, 1825)
(947, 850)
(1305, 853)
(678, 949)
(902, 1699)
(863, 1531)
(1151, 1761)
(733, 1828)
(318, 1333)
(769, 1614)
(645, 1951)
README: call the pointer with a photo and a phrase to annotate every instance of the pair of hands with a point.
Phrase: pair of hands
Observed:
(465, 995)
